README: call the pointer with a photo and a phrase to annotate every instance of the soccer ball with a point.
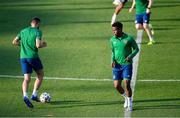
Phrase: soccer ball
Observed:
(45, 97)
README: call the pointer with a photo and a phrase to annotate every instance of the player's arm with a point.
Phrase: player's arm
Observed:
(135, 50)
(148, 10)
(40, 43)
(16, 41)
(132, 6)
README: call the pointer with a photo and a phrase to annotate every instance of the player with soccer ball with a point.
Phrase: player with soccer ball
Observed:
(30, 40)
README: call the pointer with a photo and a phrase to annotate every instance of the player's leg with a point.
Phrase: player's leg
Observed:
(139, 22)
(117, 77)
(127, 74)
(27, 70)
(139, 26)
(146, 18)
(151, 28)
(37, 85)
(37, 66)
(25, 84)
(120, 4)
(128, 93)
(118, 87)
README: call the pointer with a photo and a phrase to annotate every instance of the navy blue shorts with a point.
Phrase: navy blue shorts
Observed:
(142, 18)
(29, 64)
(121, 72)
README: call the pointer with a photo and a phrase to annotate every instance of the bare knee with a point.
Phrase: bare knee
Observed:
(138, 26)
(40, 74)
(27, 81)
(146, 26)
(116, 85)
(27, 78)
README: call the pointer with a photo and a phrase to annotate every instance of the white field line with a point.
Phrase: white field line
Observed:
(58, 78)
(89, 79)
(164, 80)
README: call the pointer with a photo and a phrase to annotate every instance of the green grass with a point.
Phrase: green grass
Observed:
(78, 34)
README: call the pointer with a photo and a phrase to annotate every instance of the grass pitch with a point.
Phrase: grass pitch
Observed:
(78, 34)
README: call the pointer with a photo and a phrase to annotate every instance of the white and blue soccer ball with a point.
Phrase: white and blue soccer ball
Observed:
(45, 97)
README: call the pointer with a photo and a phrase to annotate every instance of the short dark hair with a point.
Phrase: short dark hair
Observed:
(36, 19)
(118, 25)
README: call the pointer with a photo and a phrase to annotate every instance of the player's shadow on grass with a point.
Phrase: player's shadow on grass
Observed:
(169, 28)
(160, 43)
(70, 104)
(167, 43)
(162, 104)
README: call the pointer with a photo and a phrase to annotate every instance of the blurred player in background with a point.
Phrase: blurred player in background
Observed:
(29, 40)
(119, 5)
(124, 48)
(143, 11)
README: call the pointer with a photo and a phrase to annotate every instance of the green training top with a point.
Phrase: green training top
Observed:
(141, 6)
(28, 38)
(122, 48)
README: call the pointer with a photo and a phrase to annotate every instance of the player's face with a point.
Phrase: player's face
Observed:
(35, 24)
(116, 31)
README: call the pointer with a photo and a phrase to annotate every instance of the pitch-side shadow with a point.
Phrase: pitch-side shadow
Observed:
(165, 104)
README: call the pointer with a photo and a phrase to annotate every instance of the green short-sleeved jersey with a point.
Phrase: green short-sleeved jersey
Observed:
(122, 48)
(28, 38)
(141, 6)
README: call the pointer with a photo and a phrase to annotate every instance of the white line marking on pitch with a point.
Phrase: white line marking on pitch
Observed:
(165, 80)
(58, 78)
(89, 79)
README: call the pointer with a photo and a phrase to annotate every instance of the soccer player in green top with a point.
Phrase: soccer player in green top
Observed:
(124, 48)
(143, 11)
(30, 40)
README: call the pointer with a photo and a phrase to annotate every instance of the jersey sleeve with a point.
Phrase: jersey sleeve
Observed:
(135, 48)
(39, 35)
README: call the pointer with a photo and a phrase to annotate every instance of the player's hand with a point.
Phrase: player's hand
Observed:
(43, 43)
(148, 11)
(113, 64)
(128, 59)
(130, 10)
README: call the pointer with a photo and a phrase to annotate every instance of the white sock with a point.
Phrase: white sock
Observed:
(129, 101)
(25, 94)
(151, 39)
(113, 18)
(35, 92)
